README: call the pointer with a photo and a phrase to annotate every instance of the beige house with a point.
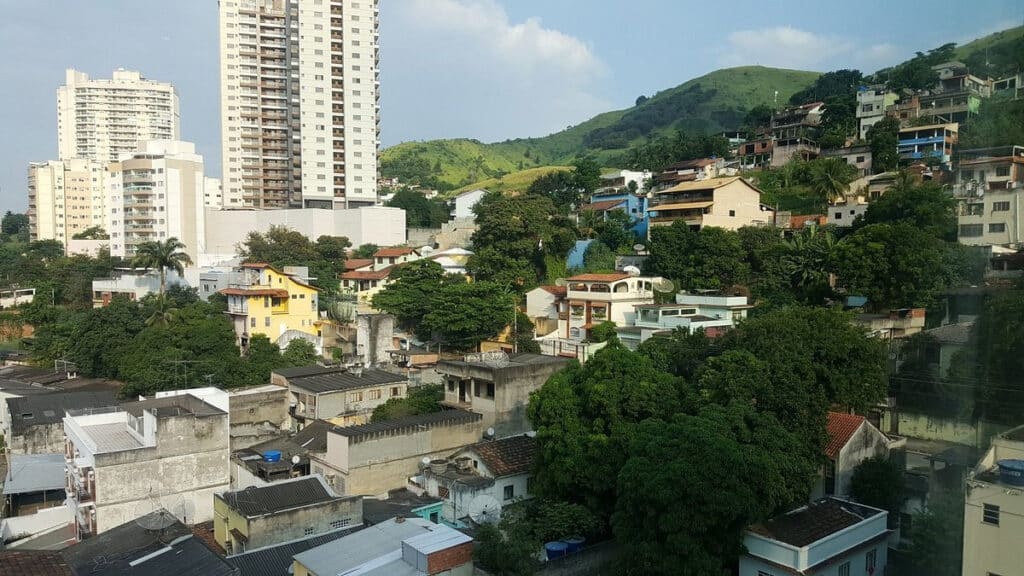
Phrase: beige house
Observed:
(990, 192)
(371, 459)
(994, 509)
(345, 396)
(729, 203)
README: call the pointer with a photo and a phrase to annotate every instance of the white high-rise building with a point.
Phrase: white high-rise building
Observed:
(299, 103)
(212, 195)
(156, 193)
(101, 119)
(65, 198)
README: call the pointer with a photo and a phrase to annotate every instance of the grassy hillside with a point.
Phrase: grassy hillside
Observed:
(988, 42)
(713, 102)
(514, 182)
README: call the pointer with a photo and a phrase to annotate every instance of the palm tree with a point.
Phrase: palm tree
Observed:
(830, 178)
(163, 313)
(809, 258)
(166, 255)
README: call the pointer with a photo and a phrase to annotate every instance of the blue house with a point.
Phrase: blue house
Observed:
(632, 204)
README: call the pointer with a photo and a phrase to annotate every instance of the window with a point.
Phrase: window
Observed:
(1000, 206)
(355, 397)
(870, 559)
(252, 322)
(732, 212)
(266, 321)
(859, 159)
(490, 389)
(990, 514)
(1002, 170)
(838, 216)
(1000, 227)
(451, 386)
(375, 394)
(510, 492)
(971, 230)
(395, 391)
(844, 569)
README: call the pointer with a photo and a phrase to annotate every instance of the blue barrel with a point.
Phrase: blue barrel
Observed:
(555, 549)
(272, 456)
(575, 543)
(1012, 472)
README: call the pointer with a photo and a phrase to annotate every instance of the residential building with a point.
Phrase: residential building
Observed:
(619, 180)
(364, 282)
(872, 102)
(21, 381)
(346, 396)
(990, 191)
(934, 142)
(634, 205)
(65, 198)
(32, 482)
(226, 229)
(894, 325)
(857, 156)
(102, 119)
(371, 459)
(1011, 86)
(943, 343)
(844, 214)
(498, 386)
(824, 538)
(756, 153)
(278, 559)
(150, 544)
(169, 452)
(386, 257)
(792, 130)
(907, 110)
(597, 298)
(452, 260)
(213, 196)
(692, 171)
(475, 482)
(548, 309)
(714, 313)
(36, 422)
(399, 547)
(729, 203)
(15, 562)
(300, 103)
(131, 283)
(949, 106)
(994, 508)
(404, 503)
(462, 205)
(288, 456)
(156, 193)
(280, 305)
(851, 440)
(260, 516)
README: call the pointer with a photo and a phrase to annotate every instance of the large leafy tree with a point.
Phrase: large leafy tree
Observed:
(878, 482)
(925, 206)
(463, 314)
(418, 400)
(883, 139)
(995, 357)
(709, 258)
(420, 211)
(584, 416)
(937, 536)
(410, 292)
(894, 265)
(828, 85)
(163, 255)
(281, 246)
(808, 259)
(830, 179)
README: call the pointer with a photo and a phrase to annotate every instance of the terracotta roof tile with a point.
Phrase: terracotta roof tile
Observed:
(367, 274)
(559, 291)
(599, 277)
(601, 206)
(393, 252)
(357, 263)
(507, 456)
(841, 427)
(275, 292)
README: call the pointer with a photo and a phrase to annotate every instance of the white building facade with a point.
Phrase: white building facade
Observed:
(101, 119)
(65, 198)
(994, 509)
(299, 103)
(156, 193)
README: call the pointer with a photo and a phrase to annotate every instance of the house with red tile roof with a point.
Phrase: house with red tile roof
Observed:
(852, 439)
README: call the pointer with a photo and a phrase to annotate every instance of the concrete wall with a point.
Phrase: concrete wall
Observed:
(292, 524)
(374, 334)
(418, 237)
(40, 439)
(188, 465)
(506, 412)
(257, 414)
(866, 443)
(960, 431)
(596, 559)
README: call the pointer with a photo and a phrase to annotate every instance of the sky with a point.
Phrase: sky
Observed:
(484, 69)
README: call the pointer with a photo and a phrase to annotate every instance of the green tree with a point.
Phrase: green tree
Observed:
(14, 224)
(598, 257)
(883, 139)
(560, 186)
(759, 116)
(587, 174)
(616, 230)
(300, 352)
(828, 85)
(925, 206)
(838, 120)
(365, 251)
(604, 332)
(420, 212)
(937, 536)
(418, 400)
(808, 259)
(995, 357)
(505, 552)
(709, 258)
(524, 335)
(830, 179)
(878, 482)
(410, 294)
(463, 314)
(511, 237)
(92, 233)
(163, 255)
(682, 354)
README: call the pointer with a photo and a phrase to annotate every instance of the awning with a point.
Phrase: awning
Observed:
(681, 206)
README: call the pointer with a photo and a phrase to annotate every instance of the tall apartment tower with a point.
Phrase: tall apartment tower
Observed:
(156, 193)
(100, 119)
(300, 123)
(65, 198)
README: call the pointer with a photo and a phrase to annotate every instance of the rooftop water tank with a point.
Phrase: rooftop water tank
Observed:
(1012, 472)
(272, 456)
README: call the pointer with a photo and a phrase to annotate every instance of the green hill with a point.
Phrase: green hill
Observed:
(513, 182)
(713, 102)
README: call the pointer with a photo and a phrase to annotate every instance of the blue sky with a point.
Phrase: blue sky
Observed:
(486, 69)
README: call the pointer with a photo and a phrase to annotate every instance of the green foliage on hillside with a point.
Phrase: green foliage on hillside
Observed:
(519, 181)
(998, 55)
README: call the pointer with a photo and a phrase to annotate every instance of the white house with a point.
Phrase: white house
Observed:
(465, 202)
(994, 508)
(478, 480)
(851, 440)
(830, 537)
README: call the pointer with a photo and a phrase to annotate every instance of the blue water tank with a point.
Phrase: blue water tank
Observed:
(575, 544)
(1012, 472)
(272, 456)
(555, 549)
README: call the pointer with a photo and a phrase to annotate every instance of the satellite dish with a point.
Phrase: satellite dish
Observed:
(295, 460)
(484, 509)
(560, 282)
(424, 462)
(664, 285)
(639, 247)
(426, 250)
(631, 270)
(489, 433)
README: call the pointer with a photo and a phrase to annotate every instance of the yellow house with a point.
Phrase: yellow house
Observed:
(276, 304)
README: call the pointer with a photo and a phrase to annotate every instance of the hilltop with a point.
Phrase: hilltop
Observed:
(710, 103)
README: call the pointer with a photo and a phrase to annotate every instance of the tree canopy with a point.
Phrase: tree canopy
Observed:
(420, 211)
(709, 258)
(281, 246)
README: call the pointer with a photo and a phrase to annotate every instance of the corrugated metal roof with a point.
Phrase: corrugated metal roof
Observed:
(277, 496)
(344, 380)
(44, 409)
(276, 560)
(426, 420)
(34, 473)
(679, 206)
(507, 456)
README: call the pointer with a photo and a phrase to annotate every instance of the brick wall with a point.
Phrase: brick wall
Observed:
(450, 558)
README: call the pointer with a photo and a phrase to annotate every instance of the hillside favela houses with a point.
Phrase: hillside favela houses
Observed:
(729, 203)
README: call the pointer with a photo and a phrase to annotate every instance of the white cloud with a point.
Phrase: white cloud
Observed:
(478, 74)
(781, 47)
